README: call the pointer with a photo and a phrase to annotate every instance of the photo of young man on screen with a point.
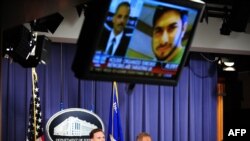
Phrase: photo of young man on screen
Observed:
(169, 27)
(114, 41)
(162, 34)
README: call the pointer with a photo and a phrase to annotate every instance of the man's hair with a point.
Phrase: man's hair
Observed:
(160, 10)
(141, 135)
(91, 134)
(122, 4)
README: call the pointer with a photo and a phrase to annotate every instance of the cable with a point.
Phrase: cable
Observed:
(209, 60)
(209, 70)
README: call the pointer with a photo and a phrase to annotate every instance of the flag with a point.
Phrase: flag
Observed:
(115, 129)
(35, 128)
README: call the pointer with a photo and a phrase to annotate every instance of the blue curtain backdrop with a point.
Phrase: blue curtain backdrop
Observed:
(186, 112)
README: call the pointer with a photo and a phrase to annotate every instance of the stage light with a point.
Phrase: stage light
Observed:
(228, 69)
(226, 64)
(240, 15)
(225, 27)
(229, 64)
(80, 8)
(48, 23)
(23, 46)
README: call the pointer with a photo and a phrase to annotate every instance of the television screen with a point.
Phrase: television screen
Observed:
(137, 41)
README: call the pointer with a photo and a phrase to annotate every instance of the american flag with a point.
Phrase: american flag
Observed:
(35, 127)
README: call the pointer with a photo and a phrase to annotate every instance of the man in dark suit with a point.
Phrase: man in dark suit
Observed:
(115, 41)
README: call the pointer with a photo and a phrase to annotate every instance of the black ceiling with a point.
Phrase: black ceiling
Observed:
(216, 8)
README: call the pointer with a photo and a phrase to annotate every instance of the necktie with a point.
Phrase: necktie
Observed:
(111, 47)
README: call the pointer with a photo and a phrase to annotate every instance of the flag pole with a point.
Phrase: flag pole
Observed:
(34, 78)
(112, 128)
(116, 91)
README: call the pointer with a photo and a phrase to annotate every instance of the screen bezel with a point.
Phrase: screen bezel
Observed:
(87, 45)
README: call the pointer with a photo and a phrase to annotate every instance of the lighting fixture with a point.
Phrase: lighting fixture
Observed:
(226, 64)
(229, 64)
(228, 69)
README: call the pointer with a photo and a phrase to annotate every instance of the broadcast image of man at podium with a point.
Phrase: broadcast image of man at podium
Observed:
(143, 136)
(169, 27)
(97, 135)
(115, 41)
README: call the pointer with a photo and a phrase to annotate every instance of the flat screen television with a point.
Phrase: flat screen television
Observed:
(136, 41)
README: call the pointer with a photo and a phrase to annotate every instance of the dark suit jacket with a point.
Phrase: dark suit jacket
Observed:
(122, 47)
